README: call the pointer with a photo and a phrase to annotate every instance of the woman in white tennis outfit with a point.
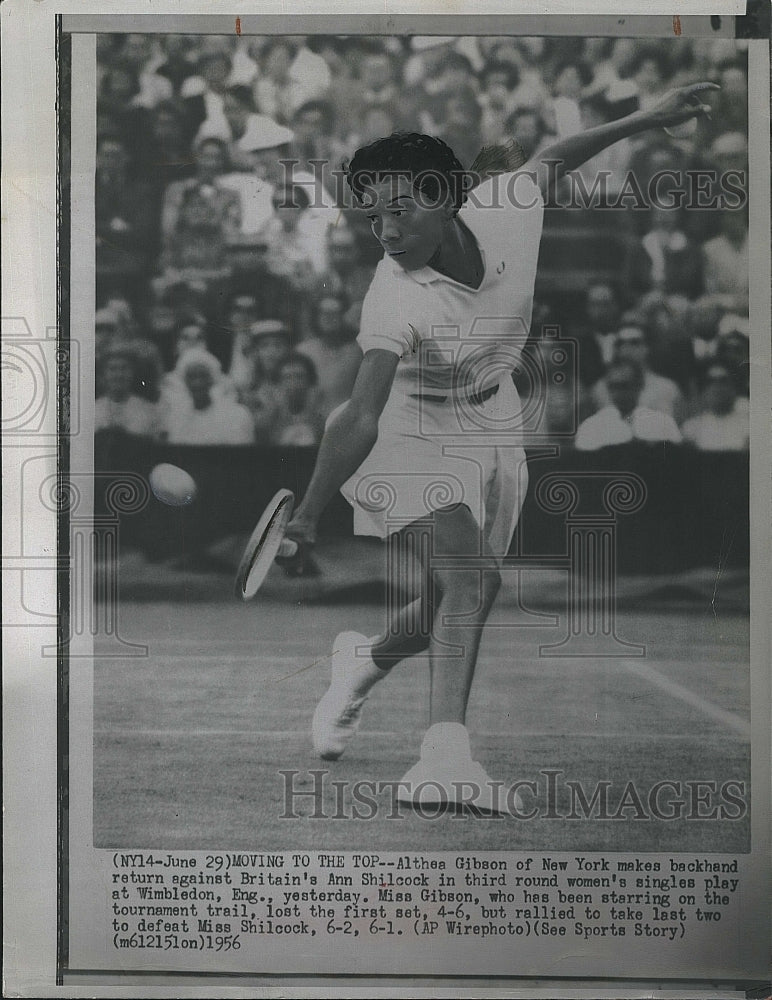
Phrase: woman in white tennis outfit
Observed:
(429, 444)
(445, 439)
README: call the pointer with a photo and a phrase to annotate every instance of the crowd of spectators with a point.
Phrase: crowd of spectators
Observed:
(229, 290)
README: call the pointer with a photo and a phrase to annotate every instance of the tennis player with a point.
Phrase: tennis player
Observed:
(442, 326)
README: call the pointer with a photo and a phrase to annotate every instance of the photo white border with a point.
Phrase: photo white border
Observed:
(29, 292)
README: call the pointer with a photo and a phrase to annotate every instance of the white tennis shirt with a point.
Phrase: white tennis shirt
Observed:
(430, 455)
(428, 318)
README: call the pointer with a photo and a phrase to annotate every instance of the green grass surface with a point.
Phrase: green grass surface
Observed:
(189, 742)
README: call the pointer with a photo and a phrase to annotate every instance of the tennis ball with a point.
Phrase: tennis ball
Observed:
(172, 485)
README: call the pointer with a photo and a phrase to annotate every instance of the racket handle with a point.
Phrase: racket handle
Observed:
(287, 549)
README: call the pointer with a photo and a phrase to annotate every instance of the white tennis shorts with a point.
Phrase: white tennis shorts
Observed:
(430, 455)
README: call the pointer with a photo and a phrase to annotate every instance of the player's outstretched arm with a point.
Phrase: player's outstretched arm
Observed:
(674, 108)
(348, 440)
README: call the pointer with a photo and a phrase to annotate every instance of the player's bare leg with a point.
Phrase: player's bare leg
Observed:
(411, 599)
(358, 663)
(448, 615)
(465, 596)
(465, 599)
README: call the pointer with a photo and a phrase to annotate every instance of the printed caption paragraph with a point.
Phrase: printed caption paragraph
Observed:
(227, 901)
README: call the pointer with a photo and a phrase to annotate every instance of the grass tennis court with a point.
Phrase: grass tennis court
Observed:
(189, 741)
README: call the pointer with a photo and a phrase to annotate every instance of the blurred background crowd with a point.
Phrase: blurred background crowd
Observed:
(228, 302)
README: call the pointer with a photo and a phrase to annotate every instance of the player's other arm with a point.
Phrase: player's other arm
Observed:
(674, 108)
(348, 440)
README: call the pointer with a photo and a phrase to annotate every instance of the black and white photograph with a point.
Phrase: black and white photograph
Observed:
(529, 379)
(409, 565)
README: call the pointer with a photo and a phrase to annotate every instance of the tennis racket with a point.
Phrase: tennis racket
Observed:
(266, 542)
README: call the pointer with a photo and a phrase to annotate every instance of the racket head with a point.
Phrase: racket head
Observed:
(263, 545)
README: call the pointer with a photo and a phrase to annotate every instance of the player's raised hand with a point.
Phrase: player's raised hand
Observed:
(679, 105)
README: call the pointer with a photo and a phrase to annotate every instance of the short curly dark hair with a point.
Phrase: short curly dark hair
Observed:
(429, 162)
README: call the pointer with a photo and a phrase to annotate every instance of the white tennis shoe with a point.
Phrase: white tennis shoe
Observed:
(446, 774)
(339, 713)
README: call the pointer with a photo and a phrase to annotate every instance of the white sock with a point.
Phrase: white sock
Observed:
(451, 739)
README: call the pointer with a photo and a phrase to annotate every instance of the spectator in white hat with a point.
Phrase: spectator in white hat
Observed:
(267, 141)
(191, 336)
(259, 170)
(205, 416)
